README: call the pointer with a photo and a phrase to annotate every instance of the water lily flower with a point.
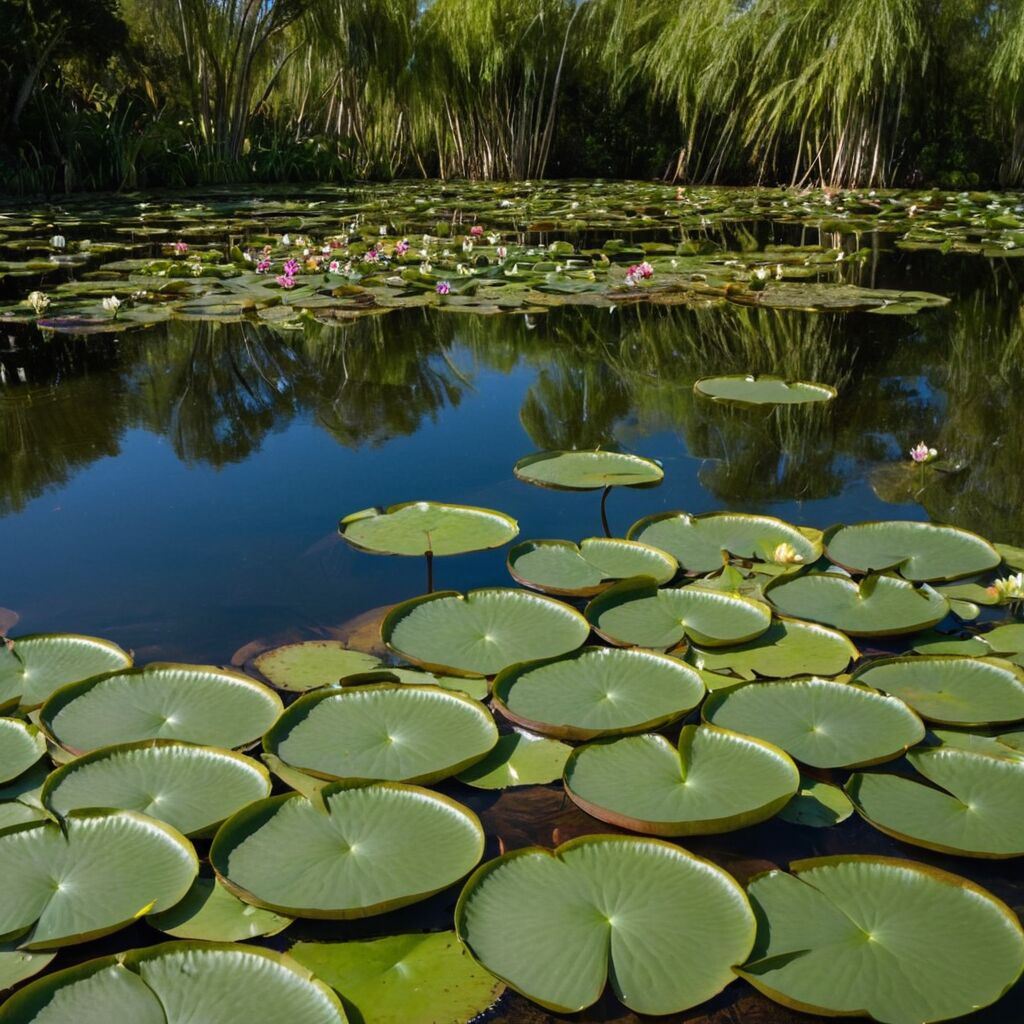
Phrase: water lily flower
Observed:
(197, 269)
(305, 252)
(285, 280)
(513, 271)
(371, 256)
(38, 301)
(1010, 588)
(58, 242)
(443, 288)
(575, 205)
(325, 250)
(761, 273)
(111, 304)
(263, 266)
(180, 248)
(505, 203)
(922, 453)
(334, 267)
(425, 267)
(291, 268)
(286, 240)
(778, 272)
(402, 247)
(382, 230)
(786, 554)
(461, 268)
(493, 239)
(476, 231)
(467, 245)
(501, 253)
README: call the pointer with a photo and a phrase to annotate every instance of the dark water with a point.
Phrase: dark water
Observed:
(177, 490)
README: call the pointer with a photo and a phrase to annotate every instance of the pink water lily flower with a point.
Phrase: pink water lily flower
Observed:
(443, 288)
(286, 281)
(402, 247)
(181, 248)
(476, 231)
(291, 268)
(263, 266)
(334, 267)
(922, 453)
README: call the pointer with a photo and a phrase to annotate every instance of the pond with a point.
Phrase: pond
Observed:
(172, 479)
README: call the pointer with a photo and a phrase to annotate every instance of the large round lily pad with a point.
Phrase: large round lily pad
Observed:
(21, 746)
(949, 688)
(716, 781)
(383, 731)
(663, 926)
(881, 605)
(922, 552)
(179, 983)
(403, 979)
(747, 389)
(34, 666)
(698, 542)
(104, 869)
(819, 722)
(977, 811)
(211, 912)
(900, 942)
(416, 527)
(561, 567)
(360, 849)
(588, 470)
(312, 663)
(194, 703)
(636, 612)
(597, 691)
(191, 788)
(482, 632)
(518, 759)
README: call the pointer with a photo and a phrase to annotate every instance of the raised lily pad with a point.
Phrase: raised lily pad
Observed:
(418, 527)
(359, 850)
(21, 746)
(191, 788)
(636, 612)
(748, 389)
(715, 781)
(559, 925)
(1002, 744)
(588, 470)
(597, 691)
(922, 552)
(561, 567)
(819, 722)
(210, 912)
(312, 663)
(901, 942)
(483, 631)
(518, 759)
(383, 731)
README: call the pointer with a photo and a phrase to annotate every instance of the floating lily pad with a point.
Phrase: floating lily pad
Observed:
(96, 873)
(597, 691)
(819, 722)
(747, 389)
(403, 979)
(483, 631)
(191, 788)
(194, 703)
(945, 643)
(817, 805)
(18, 964)
(558, 925)
(1006, 744)
(698, 542)
(21, 746)
(361, 849)
(880, 605)
(383, 731)
(588, 470)
(903, 943)
(18, 812)
(716, 781)
(1007, 639)
(561, 567)
(313, 663)
(518, 759)
(636, 612)
(416, 527)
(35, 666)
(950, 689)
(922, 552)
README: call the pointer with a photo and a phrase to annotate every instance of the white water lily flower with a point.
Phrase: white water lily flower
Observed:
(286, 240)
(467, 246)
(425, 267)
(58, 241)
(111, 304)
(1010, 588)
(38, 301)
(786, 554)
(761, 273)
(494, 239)
(505, 203)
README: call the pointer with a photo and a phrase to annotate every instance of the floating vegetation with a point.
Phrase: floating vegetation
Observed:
(748, 389)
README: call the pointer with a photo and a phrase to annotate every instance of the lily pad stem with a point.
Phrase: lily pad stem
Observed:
(604, 510)
(429, 555)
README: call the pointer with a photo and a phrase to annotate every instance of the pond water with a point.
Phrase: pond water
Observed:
(177, 489)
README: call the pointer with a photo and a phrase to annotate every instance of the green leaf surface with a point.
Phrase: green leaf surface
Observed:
(312, 663)
(518, 759)
(748, 389)
(588, 470)
(21, 746)
(212, 913)
(817, 805)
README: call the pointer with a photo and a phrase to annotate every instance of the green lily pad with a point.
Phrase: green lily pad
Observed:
(383, 731)
(21, 746)
(518, 759)
(943, 643)
(950, 689)
(588, 470)
(210, 912)
(483, 631)
(1007, 639)
(96, 873)
(360, 849)
(819, 722)
(880, 605)
(977, 811)
(817, 805)
(922, 552)
(177, 983)
(876, 936)
(403, 979)
(716, 781)
(36, 665)
(191, 788)
(597, 691)
(18, 964)
(558, 925)
(698, 542)
(416, 527)
(18, 812)
(636, 612)
(561, 567)
(1012, 556)
(313, 663)
(194, 703)
(748, 389)
(1007, 744)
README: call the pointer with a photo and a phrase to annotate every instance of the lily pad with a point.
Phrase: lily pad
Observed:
(360, 849)
(748, 389)
(416, 527)
(597, 691)
(716, 781)
(483, 631)
(1007, 744)
(18, 964)
(903, 943)
(194, 703)
(210, 912)
(518, 759)
(313, 663)
(561, 567)
(1008, 639)
(819, 722)
(636, 612)
(21, 746)
(588, 470)
(558, 925)
(384, 731)
(817, 805)
(922, 552)
(191, 788)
